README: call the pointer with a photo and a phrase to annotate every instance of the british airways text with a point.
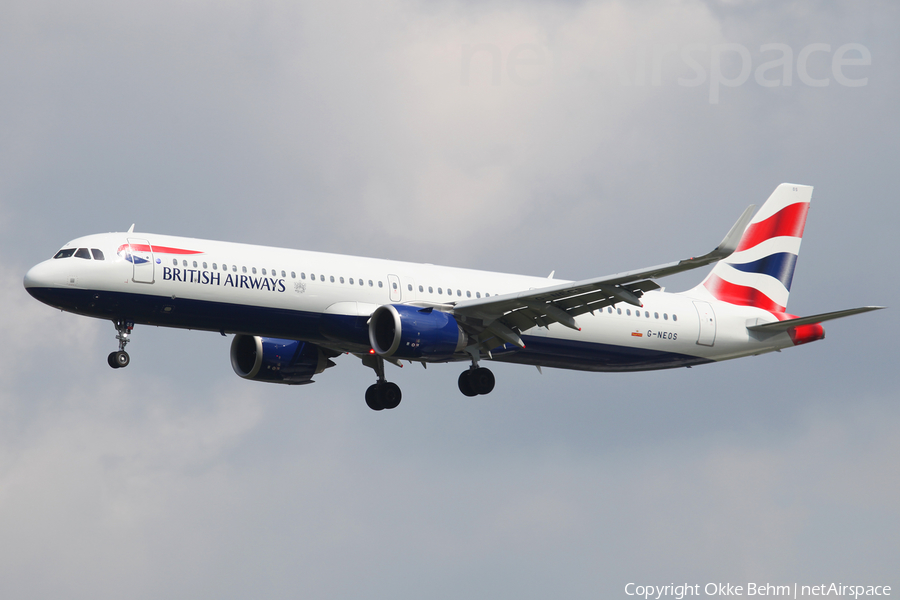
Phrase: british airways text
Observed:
(213, 278)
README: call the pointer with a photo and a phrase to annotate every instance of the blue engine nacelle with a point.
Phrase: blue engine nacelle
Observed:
(277, 361)
(411, 332)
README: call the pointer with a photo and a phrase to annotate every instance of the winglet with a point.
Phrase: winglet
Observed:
(131, 229)
(728, 245)
(733, 238)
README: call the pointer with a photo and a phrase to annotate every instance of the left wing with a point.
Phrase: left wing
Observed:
(490, 322)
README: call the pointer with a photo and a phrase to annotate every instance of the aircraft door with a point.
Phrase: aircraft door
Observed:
(140, 255)
(707, 323)
(394, 285)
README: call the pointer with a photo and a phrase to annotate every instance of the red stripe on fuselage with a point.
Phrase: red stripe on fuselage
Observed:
(158, 249)
(789, 222)
(740, 294)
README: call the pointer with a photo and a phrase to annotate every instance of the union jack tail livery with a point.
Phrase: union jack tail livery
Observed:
(760, 271)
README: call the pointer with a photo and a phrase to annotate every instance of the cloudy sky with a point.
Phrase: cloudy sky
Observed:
(583, 137)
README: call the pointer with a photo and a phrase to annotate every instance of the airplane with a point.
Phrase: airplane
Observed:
(293, 311)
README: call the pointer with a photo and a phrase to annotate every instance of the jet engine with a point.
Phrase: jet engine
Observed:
(411, 332)
(277, 361)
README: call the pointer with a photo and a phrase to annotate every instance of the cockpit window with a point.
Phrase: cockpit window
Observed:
(98, 255)
(65, 253)
(83, 253)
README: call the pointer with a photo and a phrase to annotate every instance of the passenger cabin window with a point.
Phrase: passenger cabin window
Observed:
(342, 280)
(409, 285)
(83, 253)
(175, 261)
(351, 281)
(65, 253)
(478, 294)
(263, 271)
(195, 264)
(321, 278)
(332, 278)
(674, 317)
(430, 290)
(252, 270)
(421, 289)
(370, 283)
(243, 269)
(98, 255)
(380, 284)
(293, 274)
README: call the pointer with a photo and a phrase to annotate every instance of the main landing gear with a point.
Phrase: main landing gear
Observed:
(383, 395)
(476, 381)
(120, 359)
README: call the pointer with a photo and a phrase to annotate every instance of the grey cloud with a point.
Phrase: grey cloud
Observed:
(349, 128)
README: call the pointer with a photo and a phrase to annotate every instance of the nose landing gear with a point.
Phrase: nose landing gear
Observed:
(120, 359)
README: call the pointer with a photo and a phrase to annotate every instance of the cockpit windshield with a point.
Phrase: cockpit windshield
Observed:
(80, 253)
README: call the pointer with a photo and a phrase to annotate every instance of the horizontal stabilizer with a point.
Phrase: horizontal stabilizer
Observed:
(778, 326)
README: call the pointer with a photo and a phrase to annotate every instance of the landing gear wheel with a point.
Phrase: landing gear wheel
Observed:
(482, 380)
(383, 396)
(122, 359)
(476, 382)
(111, 359)
(465, 384)
(390, 395)
(373, 398)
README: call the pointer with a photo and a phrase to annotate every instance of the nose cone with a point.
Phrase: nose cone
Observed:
(40, 277)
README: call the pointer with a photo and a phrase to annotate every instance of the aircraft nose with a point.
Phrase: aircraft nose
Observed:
(38, 276)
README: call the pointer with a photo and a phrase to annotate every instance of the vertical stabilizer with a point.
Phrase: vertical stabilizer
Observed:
(760, 271)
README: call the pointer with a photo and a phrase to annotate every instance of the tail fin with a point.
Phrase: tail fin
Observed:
(760, 271)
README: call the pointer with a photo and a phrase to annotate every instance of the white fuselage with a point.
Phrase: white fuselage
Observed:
(320, 297)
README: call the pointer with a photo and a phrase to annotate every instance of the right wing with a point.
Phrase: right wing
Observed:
(492, 321)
